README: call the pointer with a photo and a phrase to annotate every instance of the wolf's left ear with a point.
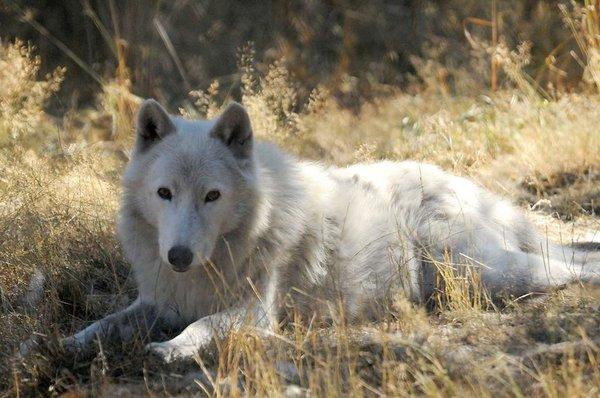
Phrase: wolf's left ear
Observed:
(234, 130)
(153, 124)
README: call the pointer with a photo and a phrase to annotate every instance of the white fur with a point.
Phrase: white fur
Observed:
(316, 236)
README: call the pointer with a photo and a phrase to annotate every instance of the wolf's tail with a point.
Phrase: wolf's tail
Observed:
(570, 263)
(520, 272)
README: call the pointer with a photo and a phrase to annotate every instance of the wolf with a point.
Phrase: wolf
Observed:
(223, 231)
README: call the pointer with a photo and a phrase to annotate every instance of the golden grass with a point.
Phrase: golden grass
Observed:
(22, 94)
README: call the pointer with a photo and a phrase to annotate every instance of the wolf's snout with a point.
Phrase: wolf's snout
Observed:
(180, 258)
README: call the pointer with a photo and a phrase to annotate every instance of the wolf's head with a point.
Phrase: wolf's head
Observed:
(193, 181)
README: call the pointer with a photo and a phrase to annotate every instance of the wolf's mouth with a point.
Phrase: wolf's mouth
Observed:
(180, 268)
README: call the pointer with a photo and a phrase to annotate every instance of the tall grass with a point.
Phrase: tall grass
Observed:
(23, 94)
(584, 22)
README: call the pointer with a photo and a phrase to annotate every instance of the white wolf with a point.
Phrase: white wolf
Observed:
(220, 229)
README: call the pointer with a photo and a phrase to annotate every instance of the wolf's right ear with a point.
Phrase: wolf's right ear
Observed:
(153, 124)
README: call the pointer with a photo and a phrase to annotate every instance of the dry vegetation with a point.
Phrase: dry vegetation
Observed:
(61, 267)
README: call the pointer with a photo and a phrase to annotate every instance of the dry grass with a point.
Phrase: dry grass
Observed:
(22, 94)
(57, 210)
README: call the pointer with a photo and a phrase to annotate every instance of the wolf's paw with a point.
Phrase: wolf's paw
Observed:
(28, 347)
(171, 352)
(48, 345)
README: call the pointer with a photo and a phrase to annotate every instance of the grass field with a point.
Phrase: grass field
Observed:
(61, 266)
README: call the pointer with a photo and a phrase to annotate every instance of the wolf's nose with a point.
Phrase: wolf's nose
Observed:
(180, 258)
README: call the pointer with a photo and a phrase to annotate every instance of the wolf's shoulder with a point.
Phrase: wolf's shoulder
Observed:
(395, 172)
(393, 166)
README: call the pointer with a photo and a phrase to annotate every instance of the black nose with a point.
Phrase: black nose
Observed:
(180, 258)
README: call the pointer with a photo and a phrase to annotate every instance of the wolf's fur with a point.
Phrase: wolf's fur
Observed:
(284, 230)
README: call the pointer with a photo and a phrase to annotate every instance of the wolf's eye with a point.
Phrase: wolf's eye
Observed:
(212, 196)
(164, 193)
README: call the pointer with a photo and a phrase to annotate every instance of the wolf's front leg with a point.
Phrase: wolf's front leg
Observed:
(138, 319)
(198, 335)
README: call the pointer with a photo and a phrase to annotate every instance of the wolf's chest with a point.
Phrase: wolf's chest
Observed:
(185, 296)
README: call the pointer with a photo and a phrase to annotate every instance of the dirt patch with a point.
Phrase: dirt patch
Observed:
(570, 193)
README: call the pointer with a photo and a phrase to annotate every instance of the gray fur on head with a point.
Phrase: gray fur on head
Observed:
(191, 159)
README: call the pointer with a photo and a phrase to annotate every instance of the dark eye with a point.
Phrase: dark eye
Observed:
(212, 196)
(164, 193)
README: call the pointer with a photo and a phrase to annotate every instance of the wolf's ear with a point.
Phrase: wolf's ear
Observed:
(234, 130)
(153, 124)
